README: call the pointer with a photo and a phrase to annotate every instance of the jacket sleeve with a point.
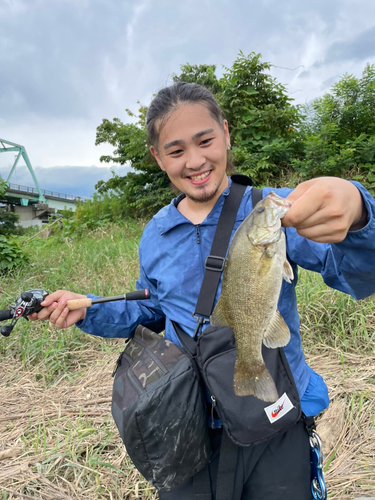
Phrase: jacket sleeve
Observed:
(120, 318)
(348, 266)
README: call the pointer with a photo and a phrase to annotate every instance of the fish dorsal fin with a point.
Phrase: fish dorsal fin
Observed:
(288, 274)
(218, 317)
(277, 333)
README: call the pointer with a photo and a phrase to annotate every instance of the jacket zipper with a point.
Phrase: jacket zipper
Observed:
(198, 234)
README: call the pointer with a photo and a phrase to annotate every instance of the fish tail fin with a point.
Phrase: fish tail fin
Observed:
(256, 381)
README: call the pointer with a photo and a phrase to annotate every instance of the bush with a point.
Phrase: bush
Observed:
(8, 221)
(11, 255)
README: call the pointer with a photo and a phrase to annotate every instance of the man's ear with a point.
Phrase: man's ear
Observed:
(226, 131)
(155, 154)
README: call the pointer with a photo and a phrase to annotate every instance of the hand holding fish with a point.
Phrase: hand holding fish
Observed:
(325, 209)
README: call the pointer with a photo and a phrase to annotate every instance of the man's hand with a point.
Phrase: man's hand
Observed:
(55, 310)
(325, 209)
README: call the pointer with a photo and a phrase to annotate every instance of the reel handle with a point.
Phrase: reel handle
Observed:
(6, 330)
(6, 314)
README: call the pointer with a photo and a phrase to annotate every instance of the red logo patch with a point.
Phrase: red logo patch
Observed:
(277, 410)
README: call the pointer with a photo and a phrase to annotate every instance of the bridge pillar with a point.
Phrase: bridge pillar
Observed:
(32, 215)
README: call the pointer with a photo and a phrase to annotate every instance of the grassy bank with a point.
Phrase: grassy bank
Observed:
(57, 438)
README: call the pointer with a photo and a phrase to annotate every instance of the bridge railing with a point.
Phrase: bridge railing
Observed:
(46, 192)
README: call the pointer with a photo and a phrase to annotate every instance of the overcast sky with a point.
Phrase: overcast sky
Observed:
(67, 64)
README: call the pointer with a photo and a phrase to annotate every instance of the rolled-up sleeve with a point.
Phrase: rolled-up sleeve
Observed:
(348, 266)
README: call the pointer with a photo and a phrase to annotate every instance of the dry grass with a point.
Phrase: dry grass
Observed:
(60, 442)
(57, 437)
(347, 428)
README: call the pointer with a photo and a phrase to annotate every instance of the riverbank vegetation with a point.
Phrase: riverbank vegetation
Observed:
(57, 436)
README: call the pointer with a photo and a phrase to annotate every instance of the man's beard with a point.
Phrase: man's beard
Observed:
(206, 196)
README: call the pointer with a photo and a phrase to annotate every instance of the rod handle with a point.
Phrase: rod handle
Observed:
(74, 304)
(138, 295)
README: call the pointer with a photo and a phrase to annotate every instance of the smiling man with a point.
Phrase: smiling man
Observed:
(330, 229)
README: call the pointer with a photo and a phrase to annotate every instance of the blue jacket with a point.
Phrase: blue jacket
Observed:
(172, 253)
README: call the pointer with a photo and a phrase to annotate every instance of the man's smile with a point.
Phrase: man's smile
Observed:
(199, 178)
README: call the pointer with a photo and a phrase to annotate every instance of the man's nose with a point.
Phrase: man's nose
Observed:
(195, 159)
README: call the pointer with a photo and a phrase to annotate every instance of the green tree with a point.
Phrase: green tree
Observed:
(263, 126)
(3, 187)
(263, 122)
(203, 74)
(8, 220)
(350, 104)
(146, 188)
(339, 131)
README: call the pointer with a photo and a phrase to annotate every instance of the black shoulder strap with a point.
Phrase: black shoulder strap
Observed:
(214, 264)
(257, 196)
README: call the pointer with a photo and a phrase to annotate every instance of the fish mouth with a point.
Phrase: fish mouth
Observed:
(280, 202)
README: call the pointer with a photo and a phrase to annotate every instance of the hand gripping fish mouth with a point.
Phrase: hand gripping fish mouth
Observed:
(255, 268)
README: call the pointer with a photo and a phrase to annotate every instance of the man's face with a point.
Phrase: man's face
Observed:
(193, 152)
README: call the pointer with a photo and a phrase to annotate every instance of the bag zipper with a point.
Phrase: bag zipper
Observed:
(213, 405)
(118, 363)
(214, 402)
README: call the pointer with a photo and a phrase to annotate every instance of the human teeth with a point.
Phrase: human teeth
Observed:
(200, 177)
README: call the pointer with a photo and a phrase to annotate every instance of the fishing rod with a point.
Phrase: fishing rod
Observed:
(30, 301)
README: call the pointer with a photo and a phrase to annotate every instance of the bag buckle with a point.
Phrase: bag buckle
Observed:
(318, 486)
(201, 320)
(214, 263)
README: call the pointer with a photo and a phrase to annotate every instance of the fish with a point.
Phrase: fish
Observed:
(254, 270)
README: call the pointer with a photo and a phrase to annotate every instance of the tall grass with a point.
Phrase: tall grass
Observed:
(333, 318)
(103, 262)
(56, 385)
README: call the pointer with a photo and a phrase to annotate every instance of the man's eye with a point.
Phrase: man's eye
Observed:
(206, 141)
(174, 153)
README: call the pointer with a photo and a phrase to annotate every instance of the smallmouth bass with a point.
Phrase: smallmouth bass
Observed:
(254, 269)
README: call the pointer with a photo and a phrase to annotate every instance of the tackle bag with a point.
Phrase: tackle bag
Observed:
(159, 410)
(243, 417)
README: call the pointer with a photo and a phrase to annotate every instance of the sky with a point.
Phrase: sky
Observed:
(65, 65)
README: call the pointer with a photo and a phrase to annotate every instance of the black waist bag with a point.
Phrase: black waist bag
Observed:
(159, 410)
(244, 417)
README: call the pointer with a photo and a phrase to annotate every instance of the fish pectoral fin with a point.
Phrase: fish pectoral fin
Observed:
(277, 333)
(218, 317)
(270, 251)
(288, 274)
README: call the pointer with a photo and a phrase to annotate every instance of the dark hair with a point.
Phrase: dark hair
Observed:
(169, 98)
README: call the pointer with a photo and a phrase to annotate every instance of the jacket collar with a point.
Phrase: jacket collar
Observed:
(169, 217)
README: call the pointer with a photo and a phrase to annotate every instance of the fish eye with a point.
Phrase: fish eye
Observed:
(260, 210)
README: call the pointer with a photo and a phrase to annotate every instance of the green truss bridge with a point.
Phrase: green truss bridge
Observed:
(33, 204)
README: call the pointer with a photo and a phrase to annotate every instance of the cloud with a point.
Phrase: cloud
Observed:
(67, 64)
(304, 74)
(359, 48)
(52, 56)
(330, 81)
